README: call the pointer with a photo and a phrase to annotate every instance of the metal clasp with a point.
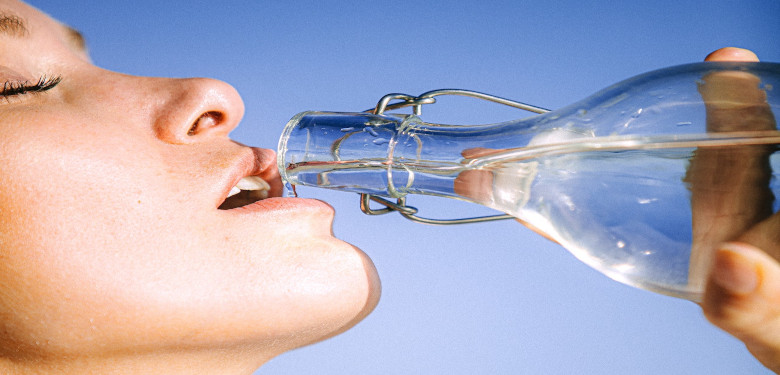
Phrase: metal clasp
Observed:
(416, 102)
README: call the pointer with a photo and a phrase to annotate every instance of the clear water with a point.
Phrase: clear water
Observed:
(640, 180)
(630, 213)
(625, 210)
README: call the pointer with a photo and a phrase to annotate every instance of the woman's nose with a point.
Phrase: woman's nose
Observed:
(196, 109)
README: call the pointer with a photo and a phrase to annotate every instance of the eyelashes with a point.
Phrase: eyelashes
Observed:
(13, 88)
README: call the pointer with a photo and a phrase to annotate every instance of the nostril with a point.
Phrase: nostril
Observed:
(206, 121)
(194, 110)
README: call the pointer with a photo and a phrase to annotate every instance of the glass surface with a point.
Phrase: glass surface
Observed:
(641, 180)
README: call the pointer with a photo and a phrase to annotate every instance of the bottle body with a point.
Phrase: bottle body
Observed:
(619, 179)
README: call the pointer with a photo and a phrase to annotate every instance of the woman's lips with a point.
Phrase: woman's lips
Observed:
(248, 190)
(261, 164)
(265, 167)
(253, 178)
(289, 206)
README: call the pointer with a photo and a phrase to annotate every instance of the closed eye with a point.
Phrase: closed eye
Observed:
(13, 88)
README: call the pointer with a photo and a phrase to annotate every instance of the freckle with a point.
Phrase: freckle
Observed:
(139, 202)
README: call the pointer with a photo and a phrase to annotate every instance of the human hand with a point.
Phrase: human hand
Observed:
(742, 294)
(735, 233)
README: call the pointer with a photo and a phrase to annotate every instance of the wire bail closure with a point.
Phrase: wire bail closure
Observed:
(416, 102)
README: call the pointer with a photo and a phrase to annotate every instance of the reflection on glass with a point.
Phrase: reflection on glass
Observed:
(640, 180)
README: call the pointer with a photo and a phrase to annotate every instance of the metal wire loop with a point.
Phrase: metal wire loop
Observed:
(400, 206)
(410, 212)
(429, 98)
(416, 102)
(407, 101)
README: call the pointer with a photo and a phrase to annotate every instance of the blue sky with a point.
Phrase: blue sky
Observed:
(480, 299)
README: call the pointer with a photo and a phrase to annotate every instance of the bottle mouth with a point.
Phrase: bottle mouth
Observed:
(333, 149)
(282, 148)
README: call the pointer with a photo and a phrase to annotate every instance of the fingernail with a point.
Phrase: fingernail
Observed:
(734, 271)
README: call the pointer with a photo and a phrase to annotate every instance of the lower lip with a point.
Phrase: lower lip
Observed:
(292, 205)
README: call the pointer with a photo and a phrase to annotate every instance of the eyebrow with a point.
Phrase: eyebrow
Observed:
(13, 25)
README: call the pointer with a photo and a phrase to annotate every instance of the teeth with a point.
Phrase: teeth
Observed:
(253, 183)
(250, 183)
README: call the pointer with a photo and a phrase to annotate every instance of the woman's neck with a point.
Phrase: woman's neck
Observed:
(237, 361)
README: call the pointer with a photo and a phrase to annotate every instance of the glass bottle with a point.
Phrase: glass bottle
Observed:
(641, 180)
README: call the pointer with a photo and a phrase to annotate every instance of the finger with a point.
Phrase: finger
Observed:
(765, 235)
(476, 185)
(734, 99)
(729, 185)
(743, 298)
(732, 54)
(478, 152)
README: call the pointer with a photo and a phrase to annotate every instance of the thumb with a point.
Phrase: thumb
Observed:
(732, 54)
(743, 298)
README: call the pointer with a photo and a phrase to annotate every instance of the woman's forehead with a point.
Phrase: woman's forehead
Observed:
(17, 20)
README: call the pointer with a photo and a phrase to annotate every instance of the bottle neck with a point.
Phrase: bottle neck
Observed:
(365, 153)
(395, 156)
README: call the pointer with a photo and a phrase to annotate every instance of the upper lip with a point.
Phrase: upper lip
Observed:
(254, 162)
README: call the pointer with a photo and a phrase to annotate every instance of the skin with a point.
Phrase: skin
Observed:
(736, 240)
(742, 294)
(730, 193)
(115, 258)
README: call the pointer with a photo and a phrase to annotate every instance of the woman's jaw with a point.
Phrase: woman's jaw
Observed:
(123, 255)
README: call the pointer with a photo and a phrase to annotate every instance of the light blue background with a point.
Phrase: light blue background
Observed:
(480, 299)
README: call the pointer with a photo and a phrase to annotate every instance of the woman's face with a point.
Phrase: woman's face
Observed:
(111, 239)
